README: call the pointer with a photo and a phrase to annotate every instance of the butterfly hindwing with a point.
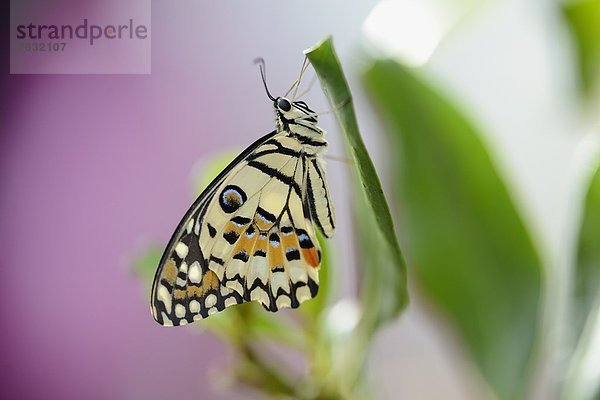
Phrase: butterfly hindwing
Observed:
(276, 258)
(248, 237)
(319, 198)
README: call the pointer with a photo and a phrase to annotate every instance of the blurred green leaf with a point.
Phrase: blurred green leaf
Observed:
(375, 274)
(390, 295)
(583, 19)
(210, 169)
(587, 272)
(468, 247)
(583, 379)
(144, 264)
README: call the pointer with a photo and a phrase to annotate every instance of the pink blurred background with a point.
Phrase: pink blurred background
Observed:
(95, 166)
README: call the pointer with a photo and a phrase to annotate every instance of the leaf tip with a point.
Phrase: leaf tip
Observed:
(325, 42)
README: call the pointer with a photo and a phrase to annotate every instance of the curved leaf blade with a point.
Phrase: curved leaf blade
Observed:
(390, 295)
(583, 19)
(587, 268)
(469, 248)
(583, 380)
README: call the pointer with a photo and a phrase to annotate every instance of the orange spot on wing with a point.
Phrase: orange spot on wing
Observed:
(289, 241)
(194, 291)
(261, 243)
(169, 271)
(311, 256)
(246, 244)
(231, 227)
(262, 224)
(209, 281)
(275, 256)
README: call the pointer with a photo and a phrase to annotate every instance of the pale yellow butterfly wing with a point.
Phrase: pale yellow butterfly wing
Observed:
(248, 237)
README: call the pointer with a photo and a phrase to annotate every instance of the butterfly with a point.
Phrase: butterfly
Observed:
(250, 235)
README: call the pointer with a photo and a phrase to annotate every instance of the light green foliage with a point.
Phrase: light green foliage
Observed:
(587, 274)
(468, 247)
(583, 19)
(583, 380)
(385, 280)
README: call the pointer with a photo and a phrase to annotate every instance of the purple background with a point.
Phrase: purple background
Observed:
(117, 55)
(94, 167)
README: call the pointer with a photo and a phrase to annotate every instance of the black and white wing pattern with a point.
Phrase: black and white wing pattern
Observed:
(249, 236)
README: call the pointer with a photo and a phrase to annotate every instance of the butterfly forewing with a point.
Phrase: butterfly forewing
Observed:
(248, 237)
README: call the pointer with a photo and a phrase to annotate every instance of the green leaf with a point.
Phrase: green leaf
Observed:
(390, 295)
(583, 19)
(585, 304)
(468, 246)
(587, 273)
(210, 169)
(144, 265)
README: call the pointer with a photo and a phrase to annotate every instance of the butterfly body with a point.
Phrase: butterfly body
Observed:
(250, 235)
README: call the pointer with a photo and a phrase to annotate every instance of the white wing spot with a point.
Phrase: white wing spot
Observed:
(283, 301)
(165, 297)
(183, 267)
(230, 301)
(303, 294)
(179, 310)
(166, 320)
(235, 285)
(194, 306)
(210, 301)
(225, 290)
(181, 250)
(258, 294)
(279, 280)
(195, 274)
(212, 311)
(257, 270)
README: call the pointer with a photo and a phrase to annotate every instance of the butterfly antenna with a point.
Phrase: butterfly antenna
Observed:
(296, 83)
(310, 85)
(263, 73)
(302, 70)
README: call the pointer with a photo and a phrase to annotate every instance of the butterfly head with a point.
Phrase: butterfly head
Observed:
(293, 112)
